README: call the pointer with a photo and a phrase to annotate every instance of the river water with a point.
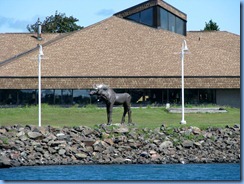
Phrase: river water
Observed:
(125, 172)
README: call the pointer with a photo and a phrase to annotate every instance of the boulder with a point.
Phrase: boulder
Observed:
(51, 150)
(55, 143)
(118, 160)
(81, 155)
(61, 152)
(89, 142)
(86, 130)
(98, 147)
(109, 141)
(34, 135)
(3, 131)
(62, 136)
(4, 162)
(122, 129)
(198, 144)
(187, 144)
(165, 145)
(157, 142)
(196, 130)
(144, 154)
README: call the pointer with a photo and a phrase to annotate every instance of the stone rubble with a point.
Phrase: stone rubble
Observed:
(116, 144)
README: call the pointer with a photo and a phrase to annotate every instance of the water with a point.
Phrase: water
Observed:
(125, 172)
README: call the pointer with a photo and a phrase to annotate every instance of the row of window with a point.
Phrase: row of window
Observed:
(170, 22)
(164, 19)
(82, 97)
(143, 17)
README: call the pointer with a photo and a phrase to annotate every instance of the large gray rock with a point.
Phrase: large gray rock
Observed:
(34, 135)
(3, 130)
(144, 154)
(86, 130)
(88, 142)
(80, 155)
(165, 145)
(61, 151)
(122, 129)
(4, 162)
(56, 143)
(196, 130)
(187, 144)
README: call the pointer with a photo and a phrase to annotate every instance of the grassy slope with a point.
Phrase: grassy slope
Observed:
(143, 117)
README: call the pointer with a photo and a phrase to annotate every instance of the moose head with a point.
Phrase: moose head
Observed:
(101, 91)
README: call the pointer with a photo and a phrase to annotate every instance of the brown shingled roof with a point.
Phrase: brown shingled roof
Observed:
(13, 44)
(117, 47)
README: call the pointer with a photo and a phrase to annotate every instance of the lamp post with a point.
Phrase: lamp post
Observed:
(183, 50)
(39, 84)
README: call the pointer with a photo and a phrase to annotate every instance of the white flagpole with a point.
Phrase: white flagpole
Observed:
(184, 49)
(39, 85)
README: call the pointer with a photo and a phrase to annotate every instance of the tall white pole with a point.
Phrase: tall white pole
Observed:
(39, 85)
(184, 48)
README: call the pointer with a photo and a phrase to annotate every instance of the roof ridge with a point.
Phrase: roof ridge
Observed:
(35, 48)
(61, 36)
(25, 33)
(211, 31)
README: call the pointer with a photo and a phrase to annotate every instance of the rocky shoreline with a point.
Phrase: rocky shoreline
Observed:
(117, 144)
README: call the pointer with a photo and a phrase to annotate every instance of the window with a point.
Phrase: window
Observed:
(81, 97)
(147, 17)
(67, 96)
(174, 96)
(47, 96)
(191, 96)
(57, 96)
(144, 17)
(171, 22)
(164, 23)
(135, 17)
(28, 97)
(179, 26)
(160, 18)
(206, 96)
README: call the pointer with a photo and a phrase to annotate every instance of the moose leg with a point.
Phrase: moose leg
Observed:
(109, 113)
(124, 114)
(129, 115)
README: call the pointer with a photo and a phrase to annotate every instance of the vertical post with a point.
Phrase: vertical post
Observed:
(39, 85)
(39, 90)
(184, 48)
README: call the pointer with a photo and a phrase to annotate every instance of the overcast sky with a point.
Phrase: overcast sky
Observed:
(16, 14)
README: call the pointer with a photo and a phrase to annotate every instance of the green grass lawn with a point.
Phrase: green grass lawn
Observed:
(91, 116)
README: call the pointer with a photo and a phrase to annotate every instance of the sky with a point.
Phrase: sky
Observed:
(15, 15)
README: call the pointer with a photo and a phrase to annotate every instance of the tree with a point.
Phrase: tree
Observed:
(211, 26)
(57, 23)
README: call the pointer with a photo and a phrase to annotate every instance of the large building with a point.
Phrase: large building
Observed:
(136, 50)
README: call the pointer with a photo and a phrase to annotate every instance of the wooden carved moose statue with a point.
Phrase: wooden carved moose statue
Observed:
(105, 93)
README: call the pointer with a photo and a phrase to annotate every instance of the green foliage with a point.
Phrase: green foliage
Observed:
(91, 106)
(57, 23)
(4, 140)
(211, 26)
